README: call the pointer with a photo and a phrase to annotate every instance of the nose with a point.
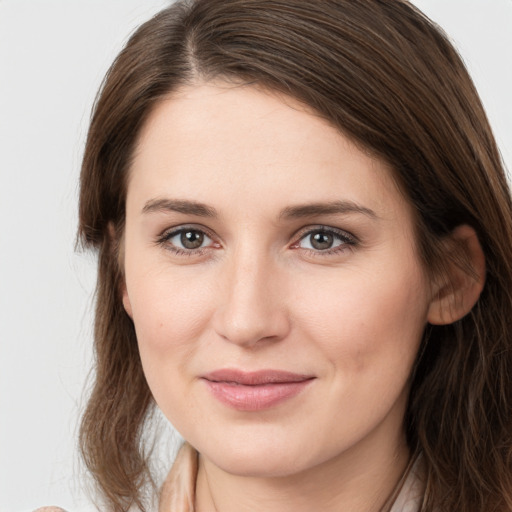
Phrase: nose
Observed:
(252, 304)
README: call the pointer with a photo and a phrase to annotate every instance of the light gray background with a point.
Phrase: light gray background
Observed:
(53, 55)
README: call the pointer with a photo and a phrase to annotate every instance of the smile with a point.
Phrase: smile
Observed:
(255, 391)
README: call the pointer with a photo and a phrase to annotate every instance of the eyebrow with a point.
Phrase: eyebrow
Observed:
(290, 212)
(180, 206)
(331, 208)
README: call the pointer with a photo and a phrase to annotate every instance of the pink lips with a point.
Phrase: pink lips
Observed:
(255, 391)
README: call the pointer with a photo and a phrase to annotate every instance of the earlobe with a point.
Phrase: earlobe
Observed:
(463, 281)
(116, 241)
(126, 302)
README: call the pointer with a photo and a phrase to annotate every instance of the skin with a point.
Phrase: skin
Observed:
(258, 295)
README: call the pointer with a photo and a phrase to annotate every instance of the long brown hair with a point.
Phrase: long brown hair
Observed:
(387, 77)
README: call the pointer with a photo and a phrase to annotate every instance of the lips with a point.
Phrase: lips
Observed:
(255, 391)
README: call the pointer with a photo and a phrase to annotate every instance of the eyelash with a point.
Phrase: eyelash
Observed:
(166, 236)
(347, 240)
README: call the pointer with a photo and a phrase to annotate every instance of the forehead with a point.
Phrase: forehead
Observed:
(218, 142)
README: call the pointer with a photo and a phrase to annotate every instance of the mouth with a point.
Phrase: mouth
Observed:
(255, 391)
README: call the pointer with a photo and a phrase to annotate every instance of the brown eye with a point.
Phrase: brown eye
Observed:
(326, 240)
(191, 239)
(321, 241)
(186, 240)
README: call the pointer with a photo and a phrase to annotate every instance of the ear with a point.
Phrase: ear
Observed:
(117, 245)
(126, 301)
(463, 280)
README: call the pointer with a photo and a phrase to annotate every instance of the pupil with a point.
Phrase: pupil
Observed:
(322, 241)
(192, 239)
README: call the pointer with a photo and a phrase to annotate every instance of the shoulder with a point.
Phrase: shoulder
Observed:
(49, 509)
(412, 489)
(178, 490)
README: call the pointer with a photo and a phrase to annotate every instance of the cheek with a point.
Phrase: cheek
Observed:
(170, 311)
(168, 320)
(365, 321)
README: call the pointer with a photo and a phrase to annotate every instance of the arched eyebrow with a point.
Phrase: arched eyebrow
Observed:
(330, 208)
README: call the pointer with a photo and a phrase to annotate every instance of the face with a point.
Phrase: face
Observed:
(273, 280)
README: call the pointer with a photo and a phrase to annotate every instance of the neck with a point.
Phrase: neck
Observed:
(361, 479)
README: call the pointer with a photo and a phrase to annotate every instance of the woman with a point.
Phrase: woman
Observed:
(304, 230)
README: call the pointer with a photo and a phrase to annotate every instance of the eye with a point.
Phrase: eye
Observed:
(324, 239)
(186, 240)
(189, 239)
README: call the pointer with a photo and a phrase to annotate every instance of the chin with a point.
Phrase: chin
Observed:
(262, 465)
(258, 455)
